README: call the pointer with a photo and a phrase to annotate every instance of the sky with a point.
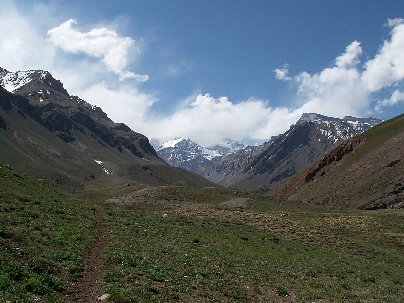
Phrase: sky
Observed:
(210, 70)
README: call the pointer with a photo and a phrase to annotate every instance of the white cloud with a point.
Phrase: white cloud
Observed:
(21, 42)
(396, 97)
(347, 88)
(101, 43)
(351, 56)
(209, 120)
(394, 22)
(282, 73)
(334, 91)
(387, 67)
(122, 104)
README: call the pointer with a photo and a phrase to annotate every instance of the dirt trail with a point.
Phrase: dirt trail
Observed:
(90, 287)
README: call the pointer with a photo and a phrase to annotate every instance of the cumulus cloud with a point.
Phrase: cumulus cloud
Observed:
(396, 97)
(282, 73)
(395, 21)
(349, 86)
(122, 103)
(21, 42)
(101, 43)
(208, 120)
(335, 91)
(387, 67)
(351, 55)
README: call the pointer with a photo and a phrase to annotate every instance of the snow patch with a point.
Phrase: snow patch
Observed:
(13, 81)
(172, 143)
(103, 167)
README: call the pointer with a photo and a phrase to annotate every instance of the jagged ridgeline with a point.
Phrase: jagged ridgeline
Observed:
(365, 172)
(263, 166)
(51, 134)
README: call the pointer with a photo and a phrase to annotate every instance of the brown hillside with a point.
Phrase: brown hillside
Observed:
(366, 171)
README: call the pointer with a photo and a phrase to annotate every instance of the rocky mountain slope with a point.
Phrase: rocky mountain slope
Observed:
(366, 171)
(51, 134)
(266, 165)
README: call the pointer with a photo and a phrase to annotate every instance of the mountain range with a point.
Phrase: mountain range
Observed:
(265, 165)
(51, 134)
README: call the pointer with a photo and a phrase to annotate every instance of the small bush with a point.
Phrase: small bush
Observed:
(281, 291)
(35, 285)
(16, 271)
(5, 282)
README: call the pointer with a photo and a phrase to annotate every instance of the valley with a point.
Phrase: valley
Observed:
(181, 244)
(90, 211)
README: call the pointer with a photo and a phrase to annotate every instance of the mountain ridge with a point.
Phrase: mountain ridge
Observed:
(362, 172)
(40, 112)
(265, 165)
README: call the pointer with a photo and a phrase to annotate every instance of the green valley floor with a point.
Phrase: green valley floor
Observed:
(177, 244)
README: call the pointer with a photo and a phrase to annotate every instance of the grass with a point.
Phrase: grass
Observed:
(201, 252)
(377, 134)
(43, 233)
(178, 244)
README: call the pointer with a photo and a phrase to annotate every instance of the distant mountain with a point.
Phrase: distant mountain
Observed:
(51, 134)
(366, 171)
(266, 165)
(263, 166)
(184, 153)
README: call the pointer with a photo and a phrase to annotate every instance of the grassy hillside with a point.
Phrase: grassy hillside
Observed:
(32, 143)
(179, 244)
(365, 172)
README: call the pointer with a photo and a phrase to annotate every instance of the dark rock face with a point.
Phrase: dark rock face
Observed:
(54, 120)
(51, 82)
(66, 137)
(5, 103)
(122, 127)
(3, 124)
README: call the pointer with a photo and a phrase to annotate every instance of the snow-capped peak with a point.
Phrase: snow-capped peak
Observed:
(13, 81)
(228, 146)
(172, 143)
(190, 150)
(313, 117)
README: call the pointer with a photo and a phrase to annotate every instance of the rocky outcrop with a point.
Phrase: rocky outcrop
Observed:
(335, 155)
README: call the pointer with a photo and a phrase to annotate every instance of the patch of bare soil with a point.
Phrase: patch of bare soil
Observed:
(90, 287)
(141, 196)
(235, 203)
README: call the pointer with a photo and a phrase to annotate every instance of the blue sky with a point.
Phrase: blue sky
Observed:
(210, 64)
